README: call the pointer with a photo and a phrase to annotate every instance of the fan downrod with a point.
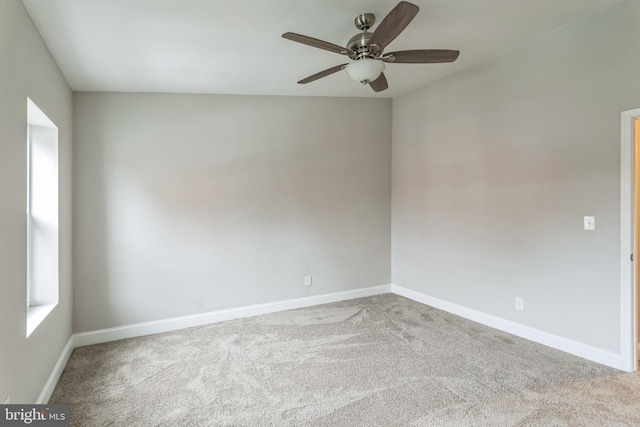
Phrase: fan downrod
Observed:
(359, 44)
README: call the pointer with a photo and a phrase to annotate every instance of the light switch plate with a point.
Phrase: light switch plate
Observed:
(590, 223)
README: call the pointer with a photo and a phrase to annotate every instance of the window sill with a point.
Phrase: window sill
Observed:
(36, 315)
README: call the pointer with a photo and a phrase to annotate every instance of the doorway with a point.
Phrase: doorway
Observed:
(636, 252)
(629, 239)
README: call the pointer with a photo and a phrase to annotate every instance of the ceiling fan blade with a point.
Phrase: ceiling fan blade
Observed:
(421, 56)
(310, 41)
(393, 24)
(379, 84)
(322, 74)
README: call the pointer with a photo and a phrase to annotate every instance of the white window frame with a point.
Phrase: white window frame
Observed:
(42, 287)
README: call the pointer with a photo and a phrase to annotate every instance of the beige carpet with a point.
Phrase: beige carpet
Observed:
(378, 361)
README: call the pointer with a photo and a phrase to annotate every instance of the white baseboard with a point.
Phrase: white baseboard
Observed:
(148, 328)
(585, 351)
(166, 325)
(50, 385)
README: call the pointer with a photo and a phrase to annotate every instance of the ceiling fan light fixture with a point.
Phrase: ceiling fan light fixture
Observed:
(367, 49)
(365, 70)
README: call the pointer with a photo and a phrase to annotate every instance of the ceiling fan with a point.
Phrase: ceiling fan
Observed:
(367, 49)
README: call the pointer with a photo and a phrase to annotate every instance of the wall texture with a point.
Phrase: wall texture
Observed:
(192, 203)
(494, 168)
(28, 70)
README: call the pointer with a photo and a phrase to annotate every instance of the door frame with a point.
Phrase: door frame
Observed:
(628, 213)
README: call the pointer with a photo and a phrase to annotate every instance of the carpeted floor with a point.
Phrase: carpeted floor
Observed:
(377, 361)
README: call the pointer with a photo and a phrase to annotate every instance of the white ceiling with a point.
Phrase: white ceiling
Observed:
(235, 46)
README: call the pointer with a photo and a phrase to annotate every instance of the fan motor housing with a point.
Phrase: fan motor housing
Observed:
(360, 45)
(359, 42)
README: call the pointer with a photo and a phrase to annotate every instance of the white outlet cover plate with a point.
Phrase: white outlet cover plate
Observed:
(590, 223)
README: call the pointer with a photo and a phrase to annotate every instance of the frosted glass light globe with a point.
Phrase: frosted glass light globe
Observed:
(365, 70)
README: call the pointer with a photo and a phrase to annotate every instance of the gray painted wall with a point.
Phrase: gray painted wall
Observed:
(28, 70)
(494, 168)
(191, 203)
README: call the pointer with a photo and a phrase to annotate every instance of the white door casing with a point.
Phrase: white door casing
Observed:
(628, 305)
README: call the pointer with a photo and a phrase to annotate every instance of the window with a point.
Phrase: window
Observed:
(42, 216)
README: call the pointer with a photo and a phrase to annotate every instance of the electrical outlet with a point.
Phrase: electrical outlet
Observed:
(307, 281)
(6, 401)
(520, 304)
(589, 223)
